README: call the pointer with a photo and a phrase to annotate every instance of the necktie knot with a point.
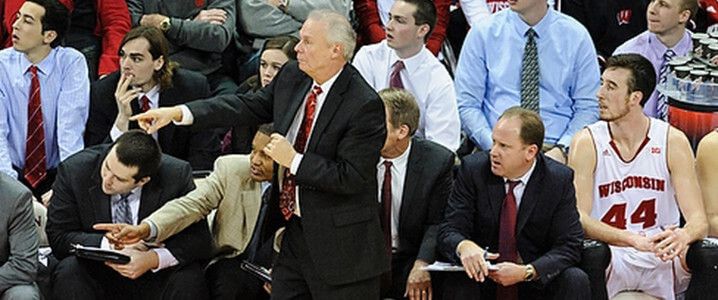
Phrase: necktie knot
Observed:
(669, 55)
(531, 34)
(398, 66)
(512, 184)
(387, 164)
(124, 197)
(395, 76)
(317, 90)
(33, 70)
(144, 103)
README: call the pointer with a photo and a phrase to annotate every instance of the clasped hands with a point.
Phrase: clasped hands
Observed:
(474, 259)
(666, 245)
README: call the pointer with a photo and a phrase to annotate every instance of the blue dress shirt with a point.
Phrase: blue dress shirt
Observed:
(65, 97)
(488, 78)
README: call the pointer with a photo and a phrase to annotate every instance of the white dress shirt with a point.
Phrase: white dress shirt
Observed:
(398, 177)
(424, 77)
(154, 96)
(165, 257)
(521, 187)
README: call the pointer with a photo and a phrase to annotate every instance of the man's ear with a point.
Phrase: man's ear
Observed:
(158, 63)
(49, 36)
(143, 181)
(684, 16)
(404, 131)
(337, 50)
(636, 97)
(423, 31)
(532, 152)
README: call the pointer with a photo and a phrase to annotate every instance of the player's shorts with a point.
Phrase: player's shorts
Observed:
(632, 270)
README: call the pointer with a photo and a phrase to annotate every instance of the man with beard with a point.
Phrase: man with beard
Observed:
(634, 177)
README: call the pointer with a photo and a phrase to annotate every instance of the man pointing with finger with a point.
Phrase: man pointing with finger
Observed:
(517, 202)
(330, 129)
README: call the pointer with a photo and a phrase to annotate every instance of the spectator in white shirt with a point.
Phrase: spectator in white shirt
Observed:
(403, 61)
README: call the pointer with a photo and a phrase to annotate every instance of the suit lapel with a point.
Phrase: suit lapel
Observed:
(297, 99)
(100, 201)
(329, 108)
(164, 135)
(150, 200)
(135, 105)
(414, 169)
(497, 193)
(531, 195)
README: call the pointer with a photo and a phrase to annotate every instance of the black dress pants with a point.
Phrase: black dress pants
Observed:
(295, 276)
(77, 278)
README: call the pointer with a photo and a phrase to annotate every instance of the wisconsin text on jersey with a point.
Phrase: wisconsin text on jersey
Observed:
(631, 182)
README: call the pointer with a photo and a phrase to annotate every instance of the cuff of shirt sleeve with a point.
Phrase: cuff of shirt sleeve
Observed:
(166, 259)
(115, 133)
(105, 244)
(153, 231)
(295, 163)
(187, 117)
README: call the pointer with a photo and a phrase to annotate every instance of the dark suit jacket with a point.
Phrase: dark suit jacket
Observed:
(337, 176)
(199, 148)
(426, 189)
(548, 232)
(78, 202)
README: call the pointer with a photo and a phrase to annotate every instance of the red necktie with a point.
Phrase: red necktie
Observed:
(507, 240)
(286, 197)
(395, 78)
(34, 171)
(144, 103)
(386, 206)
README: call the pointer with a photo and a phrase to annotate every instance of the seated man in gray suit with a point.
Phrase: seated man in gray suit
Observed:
(239, 189)
(415, 179)
(18, 241)
(123, 182)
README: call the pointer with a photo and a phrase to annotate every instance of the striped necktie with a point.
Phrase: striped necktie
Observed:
(530, 74)
(662, 100)
(121, 212)
(35, 169)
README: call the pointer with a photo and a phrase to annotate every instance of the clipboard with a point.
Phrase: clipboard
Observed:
(94, 253)
(258, 271)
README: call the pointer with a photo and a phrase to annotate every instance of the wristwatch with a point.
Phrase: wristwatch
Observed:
(530, 272)
(165, 24)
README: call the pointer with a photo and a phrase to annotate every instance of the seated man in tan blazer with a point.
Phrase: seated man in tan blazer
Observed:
(239, 189)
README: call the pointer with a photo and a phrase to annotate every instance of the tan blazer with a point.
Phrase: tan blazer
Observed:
(229, 189)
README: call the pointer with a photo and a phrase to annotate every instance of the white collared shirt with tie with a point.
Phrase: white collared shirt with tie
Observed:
(398, 177)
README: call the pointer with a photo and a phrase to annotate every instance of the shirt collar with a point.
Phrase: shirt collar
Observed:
(152, 94)
(133, 194)
(327, 84)
(656, 45)
(540, 28)
(410, 64)
(524, 178)
(44, 67)
(399, 160)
